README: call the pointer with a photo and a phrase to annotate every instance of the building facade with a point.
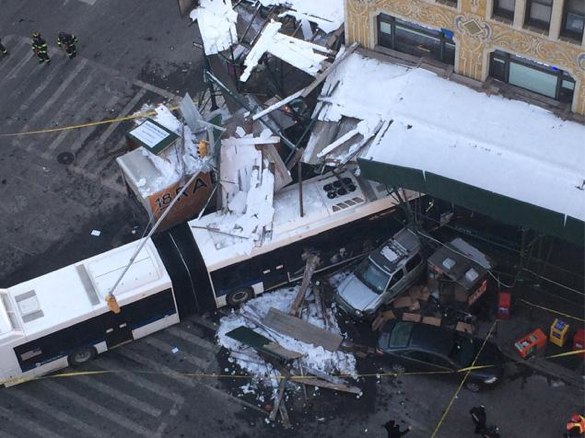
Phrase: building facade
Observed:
(534, 45)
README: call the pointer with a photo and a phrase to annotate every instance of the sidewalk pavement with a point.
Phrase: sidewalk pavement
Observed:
(526, 316)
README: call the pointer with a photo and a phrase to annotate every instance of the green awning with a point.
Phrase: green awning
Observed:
(502, 208)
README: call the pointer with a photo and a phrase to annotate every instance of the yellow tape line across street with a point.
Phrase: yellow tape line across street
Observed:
(246, 376)
(86, 125)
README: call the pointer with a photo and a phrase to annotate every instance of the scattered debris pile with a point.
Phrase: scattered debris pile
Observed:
(275, 347)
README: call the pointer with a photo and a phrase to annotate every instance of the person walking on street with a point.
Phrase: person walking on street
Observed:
(3, 49)
(394, 430)
(39, 46)
(479, 418)
(68, 42)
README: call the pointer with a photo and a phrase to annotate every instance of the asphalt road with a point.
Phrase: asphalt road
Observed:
(57, 187)
(130, 53)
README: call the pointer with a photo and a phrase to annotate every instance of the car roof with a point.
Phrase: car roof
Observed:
(397, 250)
(431, 338)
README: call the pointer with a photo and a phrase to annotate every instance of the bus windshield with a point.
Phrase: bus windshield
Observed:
(372, 276)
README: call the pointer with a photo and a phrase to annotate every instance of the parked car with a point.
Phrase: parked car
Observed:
(383, 275)
(422, 347)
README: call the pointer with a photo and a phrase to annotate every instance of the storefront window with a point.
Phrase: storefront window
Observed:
(539, 78)
(574, 19)
(534, 80)
(538, 13)
(415, 40)
(504, 8)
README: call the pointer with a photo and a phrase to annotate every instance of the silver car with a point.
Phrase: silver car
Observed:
(383, 275)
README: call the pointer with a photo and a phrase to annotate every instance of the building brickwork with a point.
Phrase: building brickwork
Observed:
(478, 31)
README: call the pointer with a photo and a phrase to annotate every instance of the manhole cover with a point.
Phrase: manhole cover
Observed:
(65, 158)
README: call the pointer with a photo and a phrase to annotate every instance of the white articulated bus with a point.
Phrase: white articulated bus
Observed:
(62, 318)
(345, 217)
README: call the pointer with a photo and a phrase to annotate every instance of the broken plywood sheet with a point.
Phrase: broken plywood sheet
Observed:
(303, 55)
(313, 381)
(260, 343)
(301, 330)
(326, 133)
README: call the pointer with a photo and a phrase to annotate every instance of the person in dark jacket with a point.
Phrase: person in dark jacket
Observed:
(3, 49)
(394, 430)
(479, 418)
(68, 42)
(39, 47)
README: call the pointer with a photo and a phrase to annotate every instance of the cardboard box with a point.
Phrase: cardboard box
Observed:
(412, 317)
(464, 327)
(432, 320)
(401, 302)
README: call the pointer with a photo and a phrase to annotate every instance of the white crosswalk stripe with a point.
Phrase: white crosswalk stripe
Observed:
(31, 426)
(108, 414)
(69, 103)
(110, 129)
(16, 52)
(141, 382)
(164, 347)
(196, 340)
(48, 105)
(124, 398)
(66, 419)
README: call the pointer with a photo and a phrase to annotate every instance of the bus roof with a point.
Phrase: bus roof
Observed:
(76, 292)
(322, 211)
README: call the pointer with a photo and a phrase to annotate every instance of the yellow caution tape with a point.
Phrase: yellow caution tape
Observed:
(566, 353)
(448, 408)
(86, 125)
(246, 376)
(552, 310)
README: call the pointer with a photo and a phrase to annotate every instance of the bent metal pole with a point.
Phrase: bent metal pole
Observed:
(110, 295)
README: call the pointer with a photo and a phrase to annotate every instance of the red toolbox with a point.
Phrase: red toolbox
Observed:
(504, 303)
(579, 341)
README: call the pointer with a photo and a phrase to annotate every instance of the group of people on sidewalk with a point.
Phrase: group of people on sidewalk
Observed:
(67, 41)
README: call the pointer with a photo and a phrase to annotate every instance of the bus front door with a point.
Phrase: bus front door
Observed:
(117, 329)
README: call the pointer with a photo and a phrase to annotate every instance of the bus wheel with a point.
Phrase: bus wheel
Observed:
(240, 296)
(82, 355)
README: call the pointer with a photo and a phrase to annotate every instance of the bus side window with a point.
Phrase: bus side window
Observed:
(30, 354)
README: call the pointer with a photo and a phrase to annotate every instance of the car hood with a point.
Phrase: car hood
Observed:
(355, 293)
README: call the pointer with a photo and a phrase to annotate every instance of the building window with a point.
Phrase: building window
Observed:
(416, 40)
(504, 8)
(539, 78)
(538, 13)
(573, 19)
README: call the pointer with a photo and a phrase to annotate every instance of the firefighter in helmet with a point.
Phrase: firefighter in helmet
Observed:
(39, 47)
(68, 42)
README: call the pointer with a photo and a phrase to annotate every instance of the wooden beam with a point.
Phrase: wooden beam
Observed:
(312, 260)
(313, 381)
(322, 76)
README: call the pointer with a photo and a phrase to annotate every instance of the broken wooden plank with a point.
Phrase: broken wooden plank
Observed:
(313, 381)
(277, 105)
(284, 415)
(247, 141)
(262, 344)
(296, 328)
(278, 399)
(322, 375)
(312, 260)
(322, 76)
